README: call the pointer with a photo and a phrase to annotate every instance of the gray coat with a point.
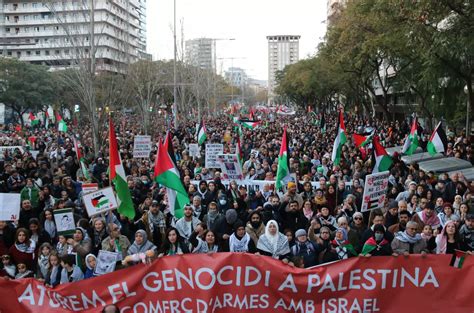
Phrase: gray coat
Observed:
(401, 247)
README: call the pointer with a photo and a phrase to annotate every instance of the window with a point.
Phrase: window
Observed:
(28, 52)
(37, 29)
(18, 54)
(34, 4)
(46, 52)
(37, 52)
(57, 52)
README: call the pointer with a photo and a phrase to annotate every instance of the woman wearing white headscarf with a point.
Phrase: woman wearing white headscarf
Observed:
(273, 243)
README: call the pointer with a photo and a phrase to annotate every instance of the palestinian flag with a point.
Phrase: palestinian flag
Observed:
(322, 123)
(81, 159)
(201, 133)
(235, 120)
(249, 124)
(168, 146)
(18, 128)
(411, 142)
(438, 141)
(62, 126)
(339, 141)
(117, 176)
(33, 120)
(167, 175)
(283, 170)
(100, 201)
(361, 140)
(381, 158)
(370, 245)
(458, 258)
(58, 116)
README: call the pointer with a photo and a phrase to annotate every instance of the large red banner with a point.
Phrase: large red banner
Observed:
(232, 282)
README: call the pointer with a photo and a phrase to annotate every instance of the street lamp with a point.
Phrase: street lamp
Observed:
(468, 111)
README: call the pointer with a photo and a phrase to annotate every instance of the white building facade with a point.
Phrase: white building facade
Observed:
(201, 52)
(61, 34)
(282, 51)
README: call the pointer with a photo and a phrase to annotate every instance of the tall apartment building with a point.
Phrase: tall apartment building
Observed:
(59, 34)
(334, 7)
(201, 52)
(236, 76)
(282, 51)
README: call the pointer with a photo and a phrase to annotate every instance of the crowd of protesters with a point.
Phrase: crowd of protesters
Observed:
(301, 225)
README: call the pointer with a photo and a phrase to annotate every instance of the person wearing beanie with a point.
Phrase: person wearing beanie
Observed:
(225, 228)
(391, 216)
(292, 195)
(240, 241)
(377, 245)
(305, 249)
(341, 246)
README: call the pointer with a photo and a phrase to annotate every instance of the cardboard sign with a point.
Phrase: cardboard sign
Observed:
(64, 219)
(106, 262)
(212, 152)
(100, 201)
(375, 191)
(141, 146)
(88, 188)
(10, 204)
(230, 167)
(194, 150)
(10, 150)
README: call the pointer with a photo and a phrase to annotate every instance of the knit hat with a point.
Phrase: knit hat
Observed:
(238, 224)
(291, 184)
(393, 204)
(231, 216)
(300, 232)
(358, 214)
(379, 228)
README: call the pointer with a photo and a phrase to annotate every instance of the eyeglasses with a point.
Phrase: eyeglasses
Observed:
(358, 218)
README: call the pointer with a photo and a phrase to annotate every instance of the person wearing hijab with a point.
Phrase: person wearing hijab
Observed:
(240, 241)
(173, 244)
(341, 245)
(141, 243)
(91, 262)
(377, 245)
(273, 243)
(409, 241)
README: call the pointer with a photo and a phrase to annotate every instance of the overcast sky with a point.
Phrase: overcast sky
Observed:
(248, 21)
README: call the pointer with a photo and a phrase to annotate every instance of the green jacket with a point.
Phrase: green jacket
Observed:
(31, 194)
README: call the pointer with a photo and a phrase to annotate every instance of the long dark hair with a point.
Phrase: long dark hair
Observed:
(27, 235)
(167, 244)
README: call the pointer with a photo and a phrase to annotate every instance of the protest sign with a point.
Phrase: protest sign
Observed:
(88, 188)
(375, 191)
(241, 282)
(194, 150)
(141, 146)
(9, 206)
(34, 153)
(230, 167)
(106, 262)
(10, 150)
(64, 219)
(100, 201)
(212, 152)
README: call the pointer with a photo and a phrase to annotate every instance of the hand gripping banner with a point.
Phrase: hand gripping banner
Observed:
(233, 282)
